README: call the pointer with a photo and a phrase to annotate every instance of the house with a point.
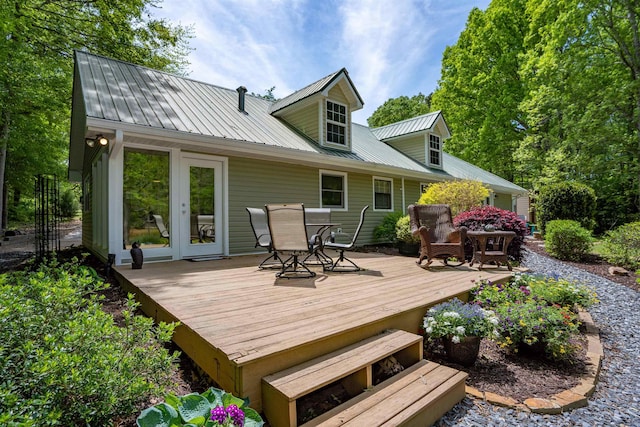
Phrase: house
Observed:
(172, 163)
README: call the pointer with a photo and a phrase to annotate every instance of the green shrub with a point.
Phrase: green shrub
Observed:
(386, 230)
(63, 359)
(403, 231)
(555, 291)
(622, 246)
(566, 200)
(567, 240)
(69, 204)
(460, 195)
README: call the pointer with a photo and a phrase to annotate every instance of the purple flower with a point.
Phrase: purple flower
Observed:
(236, 414)
(218, 414)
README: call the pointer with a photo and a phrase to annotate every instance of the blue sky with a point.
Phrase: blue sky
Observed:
(390, 47)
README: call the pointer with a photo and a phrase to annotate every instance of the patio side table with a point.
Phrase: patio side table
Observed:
(497, 241)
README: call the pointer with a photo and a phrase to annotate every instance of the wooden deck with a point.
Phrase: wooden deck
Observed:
(241, 324)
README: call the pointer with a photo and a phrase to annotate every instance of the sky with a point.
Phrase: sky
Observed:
(390, 48)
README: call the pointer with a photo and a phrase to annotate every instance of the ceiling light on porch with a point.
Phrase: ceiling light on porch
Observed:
(102, 140)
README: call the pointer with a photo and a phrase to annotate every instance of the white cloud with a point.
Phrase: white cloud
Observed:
(390, 48)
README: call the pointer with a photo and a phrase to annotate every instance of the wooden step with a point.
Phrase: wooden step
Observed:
(352, 364)
(416, 397)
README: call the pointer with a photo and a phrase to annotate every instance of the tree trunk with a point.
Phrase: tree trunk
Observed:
(4, 138)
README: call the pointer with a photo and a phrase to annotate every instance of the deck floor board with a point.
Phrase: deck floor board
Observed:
(243, 323)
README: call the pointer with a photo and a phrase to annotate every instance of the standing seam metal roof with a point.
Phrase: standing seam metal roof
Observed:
(122, 92)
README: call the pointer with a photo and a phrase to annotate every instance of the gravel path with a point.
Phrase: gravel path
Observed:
(616, 401)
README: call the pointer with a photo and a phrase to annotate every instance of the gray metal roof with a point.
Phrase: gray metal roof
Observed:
(405, 127)
(131, 94)
(303, 93)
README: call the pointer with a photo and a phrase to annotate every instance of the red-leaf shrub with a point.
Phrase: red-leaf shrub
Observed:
(501, 219)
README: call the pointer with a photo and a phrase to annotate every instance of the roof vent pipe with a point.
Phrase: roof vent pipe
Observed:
(241, 91)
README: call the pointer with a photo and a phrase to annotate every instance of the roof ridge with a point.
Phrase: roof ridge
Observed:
(409, 119)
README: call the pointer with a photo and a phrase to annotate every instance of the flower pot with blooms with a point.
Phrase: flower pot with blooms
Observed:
(460, 326)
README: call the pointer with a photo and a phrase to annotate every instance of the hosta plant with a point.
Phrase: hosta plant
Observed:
(213, 408)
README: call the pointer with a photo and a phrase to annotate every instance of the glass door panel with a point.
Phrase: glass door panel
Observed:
(201, 207)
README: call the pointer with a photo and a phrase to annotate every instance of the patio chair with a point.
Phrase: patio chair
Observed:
(438, 237)
(164, 233)
(258, 221)
(321, 220)
(339, 264)
(289, 235)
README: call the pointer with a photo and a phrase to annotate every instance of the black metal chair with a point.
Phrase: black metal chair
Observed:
(258, 221)
(289, 235)
(339, 264)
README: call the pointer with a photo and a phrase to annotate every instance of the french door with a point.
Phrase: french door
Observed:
(201, 210)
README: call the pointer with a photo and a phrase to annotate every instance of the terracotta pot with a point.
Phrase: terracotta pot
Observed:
(463, 353)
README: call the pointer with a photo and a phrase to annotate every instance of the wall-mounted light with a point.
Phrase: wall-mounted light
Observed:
(102, 140)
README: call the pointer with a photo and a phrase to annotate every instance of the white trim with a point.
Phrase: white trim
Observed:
(428, 152)
(373, 184)
(345, 192)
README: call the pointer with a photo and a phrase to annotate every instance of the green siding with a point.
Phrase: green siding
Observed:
(413, 147)
(305, 120)
(503, 201)
(271, 182)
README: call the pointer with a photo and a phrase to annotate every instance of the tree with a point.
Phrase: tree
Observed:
(36, 51)
(480, 89)
(401, 108)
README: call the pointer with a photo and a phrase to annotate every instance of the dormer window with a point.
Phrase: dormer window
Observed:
(435, 151)
(336, 123)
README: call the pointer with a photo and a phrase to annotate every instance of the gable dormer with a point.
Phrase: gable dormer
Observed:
(420, 138)
(322, 110)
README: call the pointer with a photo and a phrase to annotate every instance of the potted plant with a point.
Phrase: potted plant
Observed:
(460, 326)
(408, 244)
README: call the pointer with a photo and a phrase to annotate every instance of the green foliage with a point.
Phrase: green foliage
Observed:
(386, 230)
(403, 231)
(566, 239)
(535, 309)
(566, 200)
(69, 203)
(460, 195)
(622, 246)
(36, 51)
(398, 109)
(63, 359)
(195, 410)
(555, 290)
(480, 90)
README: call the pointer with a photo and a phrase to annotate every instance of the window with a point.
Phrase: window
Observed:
(333, 189)
(434, 150)
(382, 194)
(336, 123)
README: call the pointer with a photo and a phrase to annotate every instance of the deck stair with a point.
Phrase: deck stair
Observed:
(417, 396)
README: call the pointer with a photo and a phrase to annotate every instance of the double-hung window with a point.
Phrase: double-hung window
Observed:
(382, 194)
(435, 151)
(336, 123)
(333, 189)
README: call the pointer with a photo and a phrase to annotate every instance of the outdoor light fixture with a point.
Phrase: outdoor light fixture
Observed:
(102, 140)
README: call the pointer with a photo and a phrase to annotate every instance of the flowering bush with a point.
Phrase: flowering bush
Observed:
(213, 408)
(555, 290)
(535, 309)
(457, 320)
(531, 322)
(501, 219)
